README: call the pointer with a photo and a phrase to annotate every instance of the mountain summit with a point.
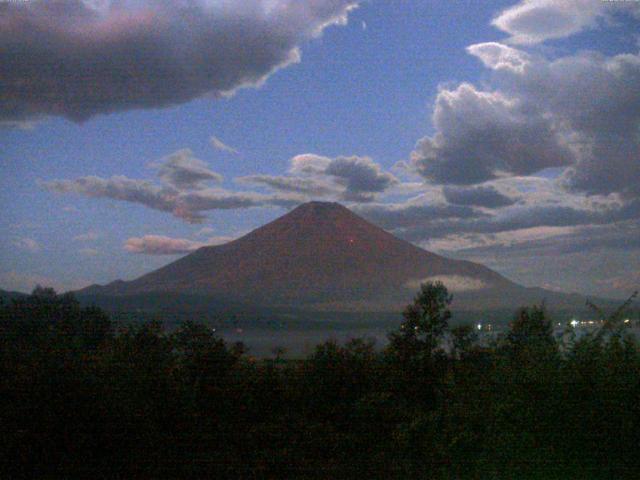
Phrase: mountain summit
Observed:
(322, 256)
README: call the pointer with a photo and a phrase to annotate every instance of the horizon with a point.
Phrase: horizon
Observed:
(506, 134)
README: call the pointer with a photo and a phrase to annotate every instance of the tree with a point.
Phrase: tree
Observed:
(425, 321)
(463, 337)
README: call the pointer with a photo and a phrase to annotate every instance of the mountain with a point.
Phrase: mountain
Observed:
(6, 295)
(322, 256)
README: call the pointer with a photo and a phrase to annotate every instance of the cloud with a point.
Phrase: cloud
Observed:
(182, 191)
(535, 21)
(553, 241)
(24, 125)
(112, 56)
(89, 252)
(183, 171)
(600, 125)
(409, 215)
(361, 176)
(579, 112)
(483, 135)
(312, 187)
(600, 260)
(481, 196)
(354, 178)
(500, 57)
(27, 244)
(421, 220)
(220, 145)
(309, 164)
(86, 237)
(161, 245)
(204, 231)
(454, 283)
(186, 205)
(623, 283)
(118, 188)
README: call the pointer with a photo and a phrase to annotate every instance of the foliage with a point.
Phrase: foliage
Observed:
(83, 397)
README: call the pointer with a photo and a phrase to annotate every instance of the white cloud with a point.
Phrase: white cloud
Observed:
(220, 145)
(500, 57)
(162, 245)
(535, 21)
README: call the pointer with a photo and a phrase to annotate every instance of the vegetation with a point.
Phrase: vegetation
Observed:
(84, 398)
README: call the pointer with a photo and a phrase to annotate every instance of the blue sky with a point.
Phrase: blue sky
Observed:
(521, 152)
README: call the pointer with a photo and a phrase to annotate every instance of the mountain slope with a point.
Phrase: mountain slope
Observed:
(322, 256)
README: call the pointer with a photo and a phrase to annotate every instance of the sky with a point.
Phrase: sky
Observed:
(135, 131)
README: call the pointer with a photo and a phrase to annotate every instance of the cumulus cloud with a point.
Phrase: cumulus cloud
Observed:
(161, 245)
(483, 135)
(580, 112)
(185, 172)
(220, 145)
(534, 21)
(79, 58)
(354, 178)
(360, 176)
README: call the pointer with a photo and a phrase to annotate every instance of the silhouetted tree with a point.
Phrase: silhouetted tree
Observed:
(425, 321)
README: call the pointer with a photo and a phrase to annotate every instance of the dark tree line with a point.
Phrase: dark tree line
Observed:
(85, 398)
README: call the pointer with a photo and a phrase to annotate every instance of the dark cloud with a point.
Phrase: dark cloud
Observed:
(118, 188)
(361, 176)
(408, 216)
(580, 112)
(188, 205)
(482, 196)
(356, 179)
(591, 101)
(427, 222)
(183, 171)
(623, 235)
(483, 135)
(77, 58)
